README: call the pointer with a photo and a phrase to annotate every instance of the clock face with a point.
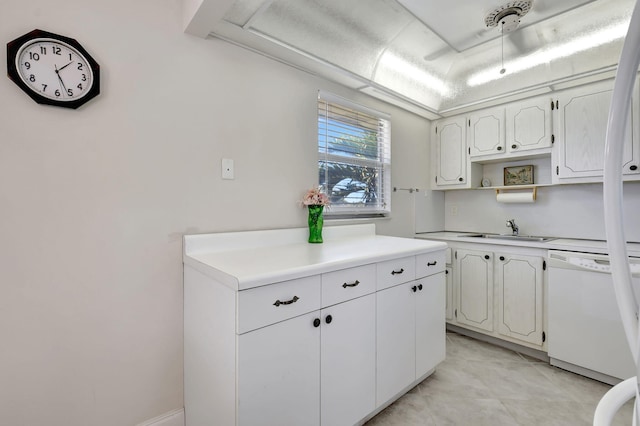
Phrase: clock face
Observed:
(54, 69)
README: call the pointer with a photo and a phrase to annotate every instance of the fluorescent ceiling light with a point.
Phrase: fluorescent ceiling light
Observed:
(598, 38)
(407, 69)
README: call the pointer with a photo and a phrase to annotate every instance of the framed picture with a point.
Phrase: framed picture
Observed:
(518, 175)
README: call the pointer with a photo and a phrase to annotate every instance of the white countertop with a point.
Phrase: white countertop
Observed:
(283, 255)
(577, 245)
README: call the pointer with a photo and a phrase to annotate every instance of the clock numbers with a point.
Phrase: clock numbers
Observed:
(55, 70)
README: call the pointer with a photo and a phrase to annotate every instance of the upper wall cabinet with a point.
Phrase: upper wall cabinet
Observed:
(529, 125)
(450, 154)
(582, 117)
(515, 130)
(486, 132)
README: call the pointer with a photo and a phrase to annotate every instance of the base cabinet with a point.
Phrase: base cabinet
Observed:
(410, 333)
(519, 284)
(348, 361)
(280, 363)
(475, 288)
(500, 294)
(328, 348)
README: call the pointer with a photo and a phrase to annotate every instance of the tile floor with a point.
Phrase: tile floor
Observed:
(483, 384)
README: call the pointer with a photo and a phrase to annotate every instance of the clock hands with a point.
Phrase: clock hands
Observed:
(64, 88)
(64, 66)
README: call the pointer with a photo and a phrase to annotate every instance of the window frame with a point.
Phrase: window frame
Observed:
(381, 164)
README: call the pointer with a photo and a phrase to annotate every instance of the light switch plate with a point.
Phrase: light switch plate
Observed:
(227, 168)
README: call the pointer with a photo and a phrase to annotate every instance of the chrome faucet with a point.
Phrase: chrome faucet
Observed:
(511, 223)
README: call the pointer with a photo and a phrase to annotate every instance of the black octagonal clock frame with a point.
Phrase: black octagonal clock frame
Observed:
(13, 50)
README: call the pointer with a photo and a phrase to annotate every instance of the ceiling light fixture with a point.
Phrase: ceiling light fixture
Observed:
(579, 44)
(508, 15)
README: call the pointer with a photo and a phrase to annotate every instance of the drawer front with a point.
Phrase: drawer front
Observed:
(396, 271)
(430, 263)
(348, 284)
(272, 303)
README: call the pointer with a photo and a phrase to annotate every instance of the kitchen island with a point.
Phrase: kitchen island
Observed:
(281, 332)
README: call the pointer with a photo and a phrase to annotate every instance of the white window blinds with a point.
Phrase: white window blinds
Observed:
(354, 163)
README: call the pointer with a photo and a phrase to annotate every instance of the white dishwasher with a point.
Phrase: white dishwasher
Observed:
(585, 330)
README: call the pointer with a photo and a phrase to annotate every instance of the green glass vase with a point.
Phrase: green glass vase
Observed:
(315, 224)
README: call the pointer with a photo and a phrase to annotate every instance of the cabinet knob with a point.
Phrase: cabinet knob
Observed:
(328, 319)
(486, 256)
(419, 286)
(499, 148)
(414, 288)
(316, 322)
(501, 257)
(514, 146)
(461, 179)
(633, 167)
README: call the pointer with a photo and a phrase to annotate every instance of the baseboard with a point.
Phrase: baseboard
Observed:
(172, 418)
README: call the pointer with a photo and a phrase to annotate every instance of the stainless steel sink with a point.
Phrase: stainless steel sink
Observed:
(507, 237)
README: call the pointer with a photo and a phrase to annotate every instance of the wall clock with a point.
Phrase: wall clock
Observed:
(53, 69)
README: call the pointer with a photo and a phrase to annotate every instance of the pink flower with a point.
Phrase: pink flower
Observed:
(315, 197)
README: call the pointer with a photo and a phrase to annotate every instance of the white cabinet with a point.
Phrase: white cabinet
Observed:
(450, 153)
(528, 125)
(500, 293)
(396, 347)
(519, 283)
(287, 362)
(582, 125)
(449, 285)
(475, 288)
(486, 134)
(430, 323)
(410, 323)
(410, 333)
(348, 361)
(275, 364)
(300, 343)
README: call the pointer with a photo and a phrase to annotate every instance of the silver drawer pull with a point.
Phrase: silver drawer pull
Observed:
(286, 302)
(394, 272)
(434, 263)
(355, 283)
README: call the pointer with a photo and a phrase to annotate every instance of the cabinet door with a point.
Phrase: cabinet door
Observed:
(449, 285)
(519, 281)
(279, 374)
(486, 132)
(430, 300)
(348, 361)
(582, 120)
(395, 343)
(450, 153)
(475, 288)
(528, 125)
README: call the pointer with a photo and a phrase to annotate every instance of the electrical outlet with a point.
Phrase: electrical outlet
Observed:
(454, 210)
(227, 169)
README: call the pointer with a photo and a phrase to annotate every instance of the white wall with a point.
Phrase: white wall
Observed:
(570, 211)
(94, 201)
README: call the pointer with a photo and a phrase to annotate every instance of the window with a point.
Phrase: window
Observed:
(354, 162)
